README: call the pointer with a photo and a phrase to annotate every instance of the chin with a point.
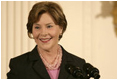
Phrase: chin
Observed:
(45, 47)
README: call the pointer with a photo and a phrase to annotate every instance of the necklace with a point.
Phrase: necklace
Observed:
(55, 63)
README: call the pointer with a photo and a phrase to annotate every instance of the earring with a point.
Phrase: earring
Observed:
(30, 36)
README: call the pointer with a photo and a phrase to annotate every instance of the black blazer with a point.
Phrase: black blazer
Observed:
(30, 66)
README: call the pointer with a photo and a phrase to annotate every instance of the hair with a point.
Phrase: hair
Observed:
(54, 10)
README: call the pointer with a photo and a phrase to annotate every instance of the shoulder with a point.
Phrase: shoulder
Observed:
(72, 58)
(25, 57)
(22, 56)
(76, 60)
(19, 60)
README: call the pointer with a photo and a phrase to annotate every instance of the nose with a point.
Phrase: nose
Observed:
(43, 32)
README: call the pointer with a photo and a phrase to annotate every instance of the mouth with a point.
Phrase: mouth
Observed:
(45, 40)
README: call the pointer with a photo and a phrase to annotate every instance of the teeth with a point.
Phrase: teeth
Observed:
(45, 39)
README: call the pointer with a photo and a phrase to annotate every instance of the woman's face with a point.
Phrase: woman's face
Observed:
(46, 32)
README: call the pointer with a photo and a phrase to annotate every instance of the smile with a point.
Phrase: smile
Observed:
(45, 40)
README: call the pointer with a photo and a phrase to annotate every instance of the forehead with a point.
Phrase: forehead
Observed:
(45, 18)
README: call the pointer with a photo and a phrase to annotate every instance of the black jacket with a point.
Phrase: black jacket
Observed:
(30, 66)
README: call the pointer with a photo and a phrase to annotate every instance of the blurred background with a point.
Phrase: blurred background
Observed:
(91, 33)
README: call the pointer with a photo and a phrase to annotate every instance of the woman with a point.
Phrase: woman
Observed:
(46, 25)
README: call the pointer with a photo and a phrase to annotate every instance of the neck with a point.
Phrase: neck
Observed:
(50, 54)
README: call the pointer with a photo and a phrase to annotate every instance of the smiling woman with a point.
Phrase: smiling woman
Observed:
(47, 23)
(86, 36)
(46, 33)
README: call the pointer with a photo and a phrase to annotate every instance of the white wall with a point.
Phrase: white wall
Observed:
(90, 37)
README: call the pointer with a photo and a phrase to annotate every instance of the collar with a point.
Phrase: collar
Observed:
(34, 55)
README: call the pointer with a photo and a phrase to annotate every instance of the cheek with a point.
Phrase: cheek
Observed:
(55, 33)
(35, 34)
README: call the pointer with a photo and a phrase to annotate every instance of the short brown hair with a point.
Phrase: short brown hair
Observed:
(53, 9)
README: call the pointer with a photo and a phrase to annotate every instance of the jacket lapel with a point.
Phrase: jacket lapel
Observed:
(40, 69)
(38, 65)
(65, 60)
(63, 73)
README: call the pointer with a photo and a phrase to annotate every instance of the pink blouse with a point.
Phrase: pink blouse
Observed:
(54, 73)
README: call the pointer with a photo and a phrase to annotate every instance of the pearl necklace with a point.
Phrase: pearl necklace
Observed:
(56, 63)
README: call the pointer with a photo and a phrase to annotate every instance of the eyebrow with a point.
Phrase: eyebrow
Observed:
(46, 24)
(49, 23)
(36, 24)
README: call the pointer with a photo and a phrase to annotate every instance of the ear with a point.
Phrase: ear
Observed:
(61, 29)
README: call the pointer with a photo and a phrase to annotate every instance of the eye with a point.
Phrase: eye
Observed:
(37, 27)
(49, 26)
